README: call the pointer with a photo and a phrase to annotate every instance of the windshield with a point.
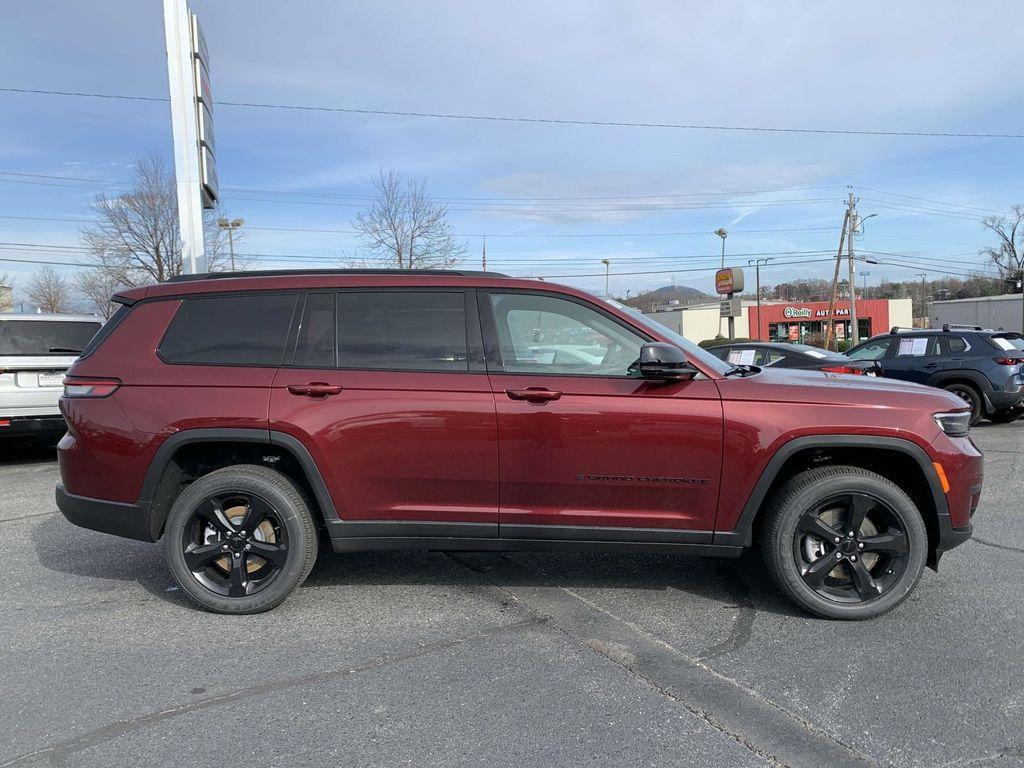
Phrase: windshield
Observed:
(45, 337)
(693, 352)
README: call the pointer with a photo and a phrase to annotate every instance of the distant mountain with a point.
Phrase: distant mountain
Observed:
(683, 294)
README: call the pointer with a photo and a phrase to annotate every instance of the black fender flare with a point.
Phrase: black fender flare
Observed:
(289, 443)
(743, 533)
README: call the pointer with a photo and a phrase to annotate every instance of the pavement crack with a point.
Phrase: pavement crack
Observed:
(27, 517)
(59, 753)
(987, 543)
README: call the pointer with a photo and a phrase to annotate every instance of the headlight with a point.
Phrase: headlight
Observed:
(954, 424)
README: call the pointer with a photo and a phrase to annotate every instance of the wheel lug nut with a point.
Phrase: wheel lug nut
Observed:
(853, 558)
(860, 545)
(225, 548)
(850, 534)
(237, 555)
(248, 546)
(837, 539)
(839, 555)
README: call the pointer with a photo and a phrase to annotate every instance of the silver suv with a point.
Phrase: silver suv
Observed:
(35, 353)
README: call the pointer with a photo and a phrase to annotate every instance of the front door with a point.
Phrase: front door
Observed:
(582, 442)
(914, 358)
(387, 390)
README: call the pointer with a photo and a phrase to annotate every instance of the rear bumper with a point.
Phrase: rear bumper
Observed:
(1001, 400)
(131, 521)
(27, 426)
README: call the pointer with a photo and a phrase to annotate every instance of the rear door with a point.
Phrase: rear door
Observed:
(387, 390)
(586, 449)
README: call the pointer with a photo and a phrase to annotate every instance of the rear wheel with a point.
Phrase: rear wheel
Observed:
(844, 543)
(969, 395)
(240, 540)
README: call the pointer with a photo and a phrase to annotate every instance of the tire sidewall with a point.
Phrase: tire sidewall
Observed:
(817, 492)
(294, 517)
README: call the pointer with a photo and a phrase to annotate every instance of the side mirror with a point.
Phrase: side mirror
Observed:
(664, 362)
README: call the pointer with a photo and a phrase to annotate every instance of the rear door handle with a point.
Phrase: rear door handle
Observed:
(533, 394)
(931, 365)
(315, 389)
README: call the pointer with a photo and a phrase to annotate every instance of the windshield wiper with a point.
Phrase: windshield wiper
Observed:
(743, 370)
(66, 349)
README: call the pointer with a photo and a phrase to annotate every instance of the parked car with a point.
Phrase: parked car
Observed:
(984, 368)
(242, 418)
(35, 353)
(785, 355)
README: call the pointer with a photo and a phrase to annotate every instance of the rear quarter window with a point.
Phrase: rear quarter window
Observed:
(247, 329)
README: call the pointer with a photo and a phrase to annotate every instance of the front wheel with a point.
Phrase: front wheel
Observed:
(844, 543)
(240, 540)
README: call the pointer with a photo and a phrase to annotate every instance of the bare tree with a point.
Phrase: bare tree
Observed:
(405, 228)
(6, 292)
(49, 291)
(1008, 253)
(96, 286)
(136, 238)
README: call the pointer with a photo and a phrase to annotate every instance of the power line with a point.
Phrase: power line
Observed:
(536, 120)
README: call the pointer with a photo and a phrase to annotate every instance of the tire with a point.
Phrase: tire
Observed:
(217, 562)
(969, 395)
(1005, 416)
(797, 554)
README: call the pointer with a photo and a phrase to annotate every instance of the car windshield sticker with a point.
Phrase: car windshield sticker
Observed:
(913, 347)
(741, 356)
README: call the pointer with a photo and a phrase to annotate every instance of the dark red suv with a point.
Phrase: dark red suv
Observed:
(246, 418)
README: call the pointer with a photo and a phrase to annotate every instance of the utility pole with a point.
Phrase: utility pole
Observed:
(924, 300)
(830, 332)
(851, 205)
(607, 269)
(722, 234)
(756, 263)
(484, 257)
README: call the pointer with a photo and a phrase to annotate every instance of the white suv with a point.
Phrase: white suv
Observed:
(35, 352)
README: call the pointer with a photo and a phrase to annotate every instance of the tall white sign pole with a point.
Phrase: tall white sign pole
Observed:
(181, 77)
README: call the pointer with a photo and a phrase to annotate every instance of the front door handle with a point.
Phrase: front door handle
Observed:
(533, 394)
(315, 389)
(931, 365)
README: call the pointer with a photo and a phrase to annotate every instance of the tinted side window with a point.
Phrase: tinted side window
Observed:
(957, 345)
(249, 329)
(315, 346)
(403, 330)
(551, 336)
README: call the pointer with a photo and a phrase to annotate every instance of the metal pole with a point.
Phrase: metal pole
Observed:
(231, 245)
(185, 132)
(854, 325)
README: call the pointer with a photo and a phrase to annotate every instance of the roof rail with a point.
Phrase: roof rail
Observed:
(958, 327)
(288, 272)
(898, 329)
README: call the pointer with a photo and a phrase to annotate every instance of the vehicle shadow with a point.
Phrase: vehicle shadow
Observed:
(63, 548)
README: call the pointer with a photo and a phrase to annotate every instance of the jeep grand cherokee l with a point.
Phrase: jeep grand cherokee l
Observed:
(247, 418)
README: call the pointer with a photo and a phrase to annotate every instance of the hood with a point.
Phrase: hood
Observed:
(803, 386)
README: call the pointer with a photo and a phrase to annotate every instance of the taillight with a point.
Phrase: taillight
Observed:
(843, 369)
(83, 387)
(1008, 360)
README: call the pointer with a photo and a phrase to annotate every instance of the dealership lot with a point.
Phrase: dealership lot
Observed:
(418, 658)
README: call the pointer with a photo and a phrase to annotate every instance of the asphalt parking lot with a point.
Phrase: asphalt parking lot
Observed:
(422, 659)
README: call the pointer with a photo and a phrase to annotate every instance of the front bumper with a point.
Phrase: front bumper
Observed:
(131, 521)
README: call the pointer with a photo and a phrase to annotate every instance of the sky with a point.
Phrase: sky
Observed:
(552, 200)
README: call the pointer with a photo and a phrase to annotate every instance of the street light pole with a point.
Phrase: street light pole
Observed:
(924, 301)
(231, 226)
(607, 268)
(722, 234)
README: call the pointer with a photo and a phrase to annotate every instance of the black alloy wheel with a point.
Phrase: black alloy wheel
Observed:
(971, 397)
(843, 542)
(850, 548)
(240, 539)
(235, 544)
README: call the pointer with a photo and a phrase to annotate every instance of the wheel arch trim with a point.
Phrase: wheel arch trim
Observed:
(743, 533)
